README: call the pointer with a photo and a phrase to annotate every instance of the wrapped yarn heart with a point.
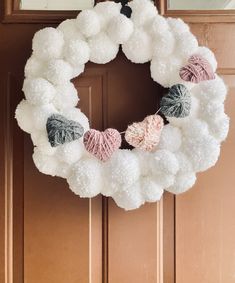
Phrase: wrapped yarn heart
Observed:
(146, 134)
(177, 103)
(197, 70)
(102, 144)
(61, 130)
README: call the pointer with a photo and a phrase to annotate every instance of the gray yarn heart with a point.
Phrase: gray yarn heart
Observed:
(61, 130)
(177, 103)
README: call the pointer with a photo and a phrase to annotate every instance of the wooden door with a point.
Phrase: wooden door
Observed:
(49, 235)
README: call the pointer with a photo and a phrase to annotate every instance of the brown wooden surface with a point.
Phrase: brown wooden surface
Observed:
(49, 235)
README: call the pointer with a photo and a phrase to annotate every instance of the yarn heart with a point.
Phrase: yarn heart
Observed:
(146, 134)
(102, 144)
(61, 130)
(197, 70)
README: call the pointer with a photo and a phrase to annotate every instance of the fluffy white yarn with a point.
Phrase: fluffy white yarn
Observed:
(38, 91)
(187, 145)
(48, 43)
(86, 178)
(102, 49)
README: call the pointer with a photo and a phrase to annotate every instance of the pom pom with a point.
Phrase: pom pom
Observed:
(211, 111)
(33, 68)
(184, 164)
(88, 23)
(107, 11)
(164, 161)
(40, 139)
(64, 170)
(48, 43)
(197, 70)
(178, 26)
(70, 152)
(120, 29)
(146, 134)
(23, 115)
(40, 114)
(163, 45)
(151, 191)
(75, 114)
(46, 164)
(58, 72)
(183, 182)
(102, 49)
(143, 11)
(61, 130)
(38, 91)
(159, 26)
(77, 52)
(138, 49)
(203, 152)
(77, 70)
(194, 128)
(177, 102)
(219, 128)
(70, 30)
(171, 138)
(129, 199)
(66, 96)
(102, 144)
(208, 55)
(85, 179)
(186, 45)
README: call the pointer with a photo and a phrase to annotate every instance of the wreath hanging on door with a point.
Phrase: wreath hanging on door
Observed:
(165, 157)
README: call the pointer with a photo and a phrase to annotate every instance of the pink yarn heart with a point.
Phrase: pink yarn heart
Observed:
(146, 134)
(198, 69)
(102, 144)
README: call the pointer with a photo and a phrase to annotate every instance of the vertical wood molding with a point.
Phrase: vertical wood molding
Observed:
(160, 236)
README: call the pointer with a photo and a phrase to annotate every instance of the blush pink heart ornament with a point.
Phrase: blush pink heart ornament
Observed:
(146, 134)
(197, 70)
(102, 144)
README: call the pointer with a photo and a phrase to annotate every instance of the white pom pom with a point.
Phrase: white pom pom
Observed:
(212, 90)
(66, 96)
(64, 170)
(70, 152)
(186, 45)
(76, 115)
(107, 10)
(151, 191)
(212, 111)
(138, 49)
(170, 138)
(164, 180)
(164, 69)
(40, 114)
(70, 30)
(40, 139)
(88, 23)
(163, 44)
(194, 128)
(23, 115)
(38, 91)
(184, 164)
(77, 52)
(159, 26)
(46, 164)
(102, 49)
(48, 43)
(203, 152)
(208, 55)
(33, 68)
(131, 199)
(58, 72)
(123, 169)
(178, 26)
(86, 178)
(143, 11)
(164, 161)
(120, 29)
(183, 182)
(143, 157)
(78, 70)
(219, 128)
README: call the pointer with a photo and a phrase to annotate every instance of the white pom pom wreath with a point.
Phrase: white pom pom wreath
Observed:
(38, 91)
(102, 49)
(48, 43)
(131, 177)
(86, 178)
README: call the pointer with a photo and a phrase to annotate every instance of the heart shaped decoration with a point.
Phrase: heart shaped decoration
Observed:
(197, 70)
(146, 134)
(102, 144)
(60, 130)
